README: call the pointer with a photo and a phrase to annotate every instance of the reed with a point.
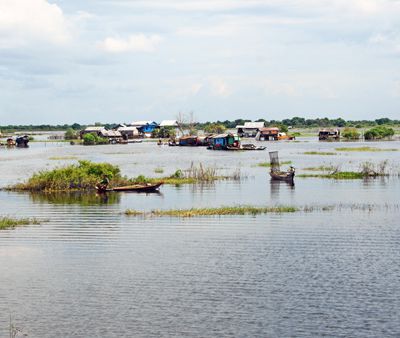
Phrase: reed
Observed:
(10, 223)
(158, 170)
(320, 168)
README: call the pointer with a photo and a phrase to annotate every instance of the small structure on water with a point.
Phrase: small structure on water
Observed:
(128, 133)
(189, 140)
(249, 129)
(272, 134)
(225, 142)
(329, 134)
(98, 130)
(22, 141)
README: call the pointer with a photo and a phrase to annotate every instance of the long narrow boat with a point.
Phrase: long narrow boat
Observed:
(147, 187)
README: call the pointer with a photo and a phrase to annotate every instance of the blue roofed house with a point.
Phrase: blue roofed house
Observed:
(145, 127)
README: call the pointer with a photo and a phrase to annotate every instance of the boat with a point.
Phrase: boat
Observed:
(251, 146)
(276, 173)
(146, 187)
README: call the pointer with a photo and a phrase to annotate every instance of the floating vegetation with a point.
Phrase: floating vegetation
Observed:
(367, 169)
(11, 223)
(254, 210)
(268, 164)
(158, 170)
(86, 174)
(221, 211)
(58, 158)
(82, 176)
(368, 149)
(343, 175)
(321, 168)
(319, 153)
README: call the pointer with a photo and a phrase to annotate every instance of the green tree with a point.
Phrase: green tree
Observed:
(351, 133)
(215, 128)
(70, 134)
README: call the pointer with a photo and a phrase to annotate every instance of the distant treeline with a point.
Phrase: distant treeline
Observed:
(301, 122)
(295, 122)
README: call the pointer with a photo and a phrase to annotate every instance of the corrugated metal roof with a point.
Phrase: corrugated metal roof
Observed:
(169, 123)
(254, 125)
(142, 123)
(95, 128)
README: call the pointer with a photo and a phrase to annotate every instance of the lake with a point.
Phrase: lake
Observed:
(91, 271)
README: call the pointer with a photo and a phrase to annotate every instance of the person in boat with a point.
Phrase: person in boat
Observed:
(291, 169)
(104, 183)
(160, 142)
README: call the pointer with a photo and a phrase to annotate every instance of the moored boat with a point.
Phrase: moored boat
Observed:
(276, 173)
(146, 187)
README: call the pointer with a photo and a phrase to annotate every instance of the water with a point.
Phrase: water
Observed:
(91, 271)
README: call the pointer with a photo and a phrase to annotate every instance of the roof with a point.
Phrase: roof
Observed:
(270, 129)
(169, 123)
(128, 129)
(251, 125)
(142, 123)
(94, 128)
(223, 135)
(111, 133)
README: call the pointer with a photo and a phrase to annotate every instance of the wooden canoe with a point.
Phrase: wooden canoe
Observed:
(135, 188)
(287, 176)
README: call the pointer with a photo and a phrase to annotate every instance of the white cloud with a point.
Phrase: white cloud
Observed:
(26, 21)
(134, 43)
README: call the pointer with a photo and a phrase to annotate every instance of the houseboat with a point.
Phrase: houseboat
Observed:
(272, 134)
(225, 142)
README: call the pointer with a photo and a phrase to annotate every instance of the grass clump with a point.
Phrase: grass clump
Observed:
(342, 175)
(268, 164)
(11, 223)
(368, 149)
(158, 170)
(82, 176)
(319, 153)
(320, 168)
(221, 211)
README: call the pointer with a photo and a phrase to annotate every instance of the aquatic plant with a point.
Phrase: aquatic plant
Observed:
(351, 133)
(236, 210)
(367, 149)
(158, 170)
(82, 176)
(367, 169)
(93, 139)
(9, 223)
(319, 153)
(322, 168)
(378, 132)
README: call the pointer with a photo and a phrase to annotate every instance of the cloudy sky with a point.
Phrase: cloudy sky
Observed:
(65, 61)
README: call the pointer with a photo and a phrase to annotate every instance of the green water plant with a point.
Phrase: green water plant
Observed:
(10, 223)
(221, 211)
(365, 149)
(268, 164)
(319, 153)
(379, 132)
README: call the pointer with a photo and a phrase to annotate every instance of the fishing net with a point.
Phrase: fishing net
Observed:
(274, 160)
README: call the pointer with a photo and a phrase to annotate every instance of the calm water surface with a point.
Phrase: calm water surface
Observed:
(91, 271)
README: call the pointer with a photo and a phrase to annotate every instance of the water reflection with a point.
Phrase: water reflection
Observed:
(276, 186)
(81, 198)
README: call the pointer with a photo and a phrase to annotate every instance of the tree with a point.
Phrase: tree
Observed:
(215, 128)
(351, 133)
(70, 134)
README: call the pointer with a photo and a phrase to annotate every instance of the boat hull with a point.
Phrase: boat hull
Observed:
(282, 176)
(133, 188)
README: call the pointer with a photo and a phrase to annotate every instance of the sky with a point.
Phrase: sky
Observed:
(66, 61)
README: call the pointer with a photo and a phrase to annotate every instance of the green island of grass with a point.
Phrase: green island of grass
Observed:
(368, 149)
(11, 223)
(221, 211)
(319, 153)
(85, 175)
(343, 175)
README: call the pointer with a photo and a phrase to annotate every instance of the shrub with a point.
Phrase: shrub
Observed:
(379, 132)
(351, 133)
(70, 134)
(92, 139)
